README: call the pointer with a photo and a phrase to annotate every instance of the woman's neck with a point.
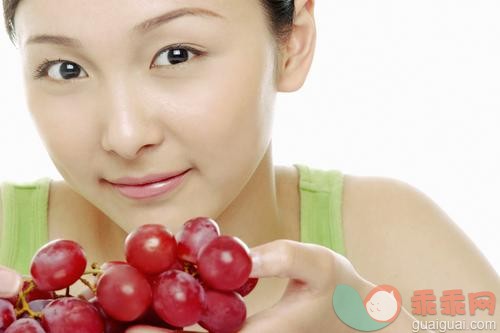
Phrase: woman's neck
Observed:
(267, 208)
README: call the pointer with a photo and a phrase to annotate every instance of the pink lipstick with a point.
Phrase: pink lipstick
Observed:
(149, 186)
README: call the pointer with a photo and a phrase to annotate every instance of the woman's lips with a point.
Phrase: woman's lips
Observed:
(152, 189)
(153, 178)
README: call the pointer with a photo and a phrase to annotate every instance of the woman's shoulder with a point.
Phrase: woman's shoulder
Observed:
(385, 223)
(388, 222)
(396, 234)
(376, 211)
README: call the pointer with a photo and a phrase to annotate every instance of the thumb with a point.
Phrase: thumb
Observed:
(309, 263)
(10, 282)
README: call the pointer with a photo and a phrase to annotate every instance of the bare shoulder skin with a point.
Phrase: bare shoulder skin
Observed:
(396, 235)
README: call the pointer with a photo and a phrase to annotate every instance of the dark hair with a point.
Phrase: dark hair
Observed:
(279, 13)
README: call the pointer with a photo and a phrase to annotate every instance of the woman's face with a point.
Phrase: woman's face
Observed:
(120, 104)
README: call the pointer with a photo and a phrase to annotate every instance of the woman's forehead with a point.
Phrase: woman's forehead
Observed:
(74, 17)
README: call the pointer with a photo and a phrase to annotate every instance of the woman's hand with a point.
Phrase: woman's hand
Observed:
(10, 282)
(306, 305)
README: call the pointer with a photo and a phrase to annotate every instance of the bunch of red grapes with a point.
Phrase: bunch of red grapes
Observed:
(194, 277)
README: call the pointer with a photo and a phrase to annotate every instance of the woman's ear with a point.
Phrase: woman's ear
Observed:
(297, 54)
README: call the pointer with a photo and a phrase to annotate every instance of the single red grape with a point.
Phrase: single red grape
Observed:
(225, 312)
(225, 263)
(151, 248)
(25, 325)
(178, 298)
(195, 234)
(58, 264)
(71, 314)
(7, 314)
(247, 287)
(123, 292)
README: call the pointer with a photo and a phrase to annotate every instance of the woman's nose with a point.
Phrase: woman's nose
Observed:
(129, 128)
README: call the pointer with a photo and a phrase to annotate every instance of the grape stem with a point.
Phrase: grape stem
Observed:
(88, 284)
(25, 307)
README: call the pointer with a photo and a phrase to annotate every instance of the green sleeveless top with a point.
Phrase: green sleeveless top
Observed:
(25, 215)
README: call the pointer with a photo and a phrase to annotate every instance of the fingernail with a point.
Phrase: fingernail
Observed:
(256, 264)
(11, 282)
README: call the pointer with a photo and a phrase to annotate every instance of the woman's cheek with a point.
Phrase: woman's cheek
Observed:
(64, 129)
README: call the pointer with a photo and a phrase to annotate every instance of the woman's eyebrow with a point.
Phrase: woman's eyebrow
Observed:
(140, 28)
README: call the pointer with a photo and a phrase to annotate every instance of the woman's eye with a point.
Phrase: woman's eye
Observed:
(60, 70)
(174, 55)
(63, 70)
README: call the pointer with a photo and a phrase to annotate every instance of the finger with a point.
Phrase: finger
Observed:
(152, 329)
(10, 282)
(309, 263)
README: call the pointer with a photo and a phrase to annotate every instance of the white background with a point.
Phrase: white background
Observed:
(401, 89)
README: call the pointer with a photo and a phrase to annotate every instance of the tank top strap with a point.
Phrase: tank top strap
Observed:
(24, 227)
(321, 207)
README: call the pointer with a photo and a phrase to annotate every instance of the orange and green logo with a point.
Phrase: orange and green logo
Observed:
(378, 309)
